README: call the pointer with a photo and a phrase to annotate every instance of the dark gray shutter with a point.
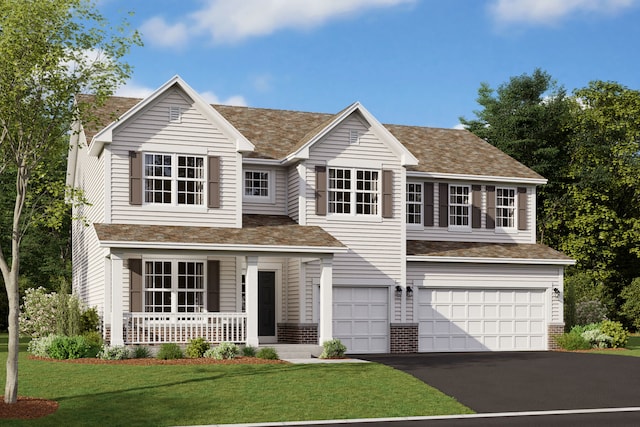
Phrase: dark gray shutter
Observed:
(213, 182)
(213, 286)
(491, 207)
(428, 204)
(321, 190)
(522, 208)
(135, 285)
(387, 194)
(135, 178)
(443, 198)
(476, 207)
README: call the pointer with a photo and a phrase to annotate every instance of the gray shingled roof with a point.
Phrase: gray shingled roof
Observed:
(277, 133)
(484, 250)
(257, 230)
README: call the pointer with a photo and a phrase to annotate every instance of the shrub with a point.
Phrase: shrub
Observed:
(140, 352)
(333, 349)
(116, 352)
(169, 351)
(269, 353)
(40, 346)
(631, 306)
(619, 335)
(196, 348)
(89, 320)
(597, 338)
(249, 351)
(224, 350)
(95, 342)
(590, 311)
(572, 341)
(63, 347)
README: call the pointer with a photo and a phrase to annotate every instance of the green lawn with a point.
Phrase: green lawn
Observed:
(632, 348)
(209, 394)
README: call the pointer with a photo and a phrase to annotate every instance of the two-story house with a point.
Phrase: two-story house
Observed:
(262, 226)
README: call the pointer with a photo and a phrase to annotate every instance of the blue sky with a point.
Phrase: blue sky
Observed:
(414, 62)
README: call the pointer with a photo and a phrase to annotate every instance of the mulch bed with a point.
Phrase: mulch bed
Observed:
(29, 408)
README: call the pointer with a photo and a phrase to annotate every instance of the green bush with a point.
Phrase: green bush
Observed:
(590, 311)
(619, 335)
(224, 350)
(196, 348)
(95, 342)
(572, 341)
(116, 352)
(40, 346)
(140, 352)
(63, 347)
(333, 349)
(631, 306)
(89, 320)
(249, 351)
(169, 351)
(269, 353)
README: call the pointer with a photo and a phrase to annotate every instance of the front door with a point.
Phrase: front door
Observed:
(267, 305)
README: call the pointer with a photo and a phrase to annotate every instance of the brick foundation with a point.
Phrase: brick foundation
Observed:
(298, 333)
(553, 330)
(403, 337)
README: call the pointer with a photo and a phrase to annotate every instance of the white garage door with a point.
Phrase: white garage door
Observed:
(481, 319)
(360, 318)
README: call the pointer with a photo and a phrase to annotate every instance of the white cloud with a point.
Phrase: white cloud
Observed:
(544, 12)
(134, 90)
(212, 98)
(459, 126)
(158, 32)
(227, 21)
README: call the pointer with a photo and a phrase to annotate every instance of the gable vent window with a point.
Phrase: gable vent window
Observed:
(354, 137)
(175, 114)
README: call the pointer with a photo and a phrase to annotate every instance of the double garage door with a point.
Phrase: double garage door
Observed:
(361, 318)
(468, 319)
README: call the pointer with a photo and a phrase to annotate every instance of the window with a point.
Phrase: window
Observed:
(414, 203)
(353, 191)
(505, 207)
(459, 205)
(256, 184)
(174, 287)
(182, 184)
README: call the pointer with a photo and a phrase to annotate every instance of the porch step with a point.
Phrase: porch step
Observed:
(295, 351)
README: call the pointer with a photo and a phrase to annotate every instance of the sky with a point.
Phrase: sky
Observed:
(409, 62)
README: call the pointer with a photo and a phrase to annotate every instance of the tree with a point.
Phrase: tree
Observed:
(527, 119)
(50, 50)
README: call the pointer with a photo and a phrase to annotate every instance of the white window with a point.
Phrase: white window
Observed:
(414, 203)
(459, 205)
(174, 179)
(174, 286)
(353, 191)
(505, 207)
(257, 184)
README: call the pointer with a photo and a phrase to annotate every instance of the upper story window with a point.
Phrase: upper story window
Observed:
(414, 203)
(353, 191)
(256, 184)
(459, 205)
(174, 287)
(174, 179)
(505, 207)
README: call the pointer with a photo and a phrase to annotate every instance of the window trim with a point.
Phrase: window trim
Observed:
(419, 203)
(174, 290)
(514, 209)
(353, 192)
(468, 205)
(174, 180)
(271, 189)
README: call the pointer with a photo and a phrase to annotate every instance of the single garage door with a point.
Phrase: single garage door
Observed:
(361, 318)
(481, 319)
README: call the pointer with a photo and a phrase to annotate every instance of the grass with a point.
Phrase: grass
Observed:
(119, 395)
(632, 348)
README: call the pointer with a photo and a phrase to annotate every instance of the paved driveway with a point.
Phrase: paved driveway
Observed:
(526, 381)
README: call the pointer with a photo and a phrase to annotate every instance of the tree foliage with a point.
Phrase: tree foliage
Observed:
(50, 50)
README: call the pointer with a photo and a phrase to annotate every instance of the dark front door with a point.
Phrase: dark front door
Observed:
(266, 303)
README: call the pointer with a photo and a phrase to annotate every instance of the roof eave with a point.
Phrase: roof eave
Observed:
(490, 260)
(116, 244)
(484, 178)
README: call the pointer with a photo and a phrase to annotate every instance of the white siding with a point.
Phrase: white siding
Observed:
(279, 204)
(482, 234)
(291, 285)
(151, 131)
(293, 191)
(376, 244)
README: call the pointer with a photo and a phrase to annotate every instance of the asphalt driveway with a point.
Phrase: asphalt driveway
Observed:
(525, 381)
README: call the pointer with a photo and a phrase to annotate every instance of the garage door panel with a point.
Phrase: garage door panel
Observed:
(360, 318)
(462, 319)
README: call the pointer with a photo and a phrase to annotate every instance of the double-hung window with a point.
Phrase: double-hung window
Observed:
(459, 206)
(174, 179)
(505, 207)
(258, 185)
(174, 287)
(414, 203)
(353, 191)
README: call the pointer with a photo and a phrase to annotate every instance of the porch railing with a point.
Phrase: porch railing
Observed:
(157, 328)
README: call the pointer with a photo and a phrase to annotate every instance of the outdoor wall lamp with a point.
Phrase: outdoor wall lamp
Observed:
(409, 291)
(398, 290)
(556, 291)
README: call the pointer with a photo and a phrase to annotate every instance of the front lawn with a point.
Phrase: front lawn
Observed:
(217, 394)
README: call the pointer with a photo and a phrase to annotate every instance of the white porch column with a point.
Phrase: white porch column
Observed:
(251, 300)
(117, 264)
(325, 332)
